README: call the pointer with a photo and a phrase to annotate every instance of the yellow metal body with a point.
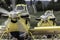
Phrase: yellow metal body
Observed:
(15, 26)
(23, 21)
(47, 23)
(48, 19)
(46, 30)
(10, 27)
(46, 26)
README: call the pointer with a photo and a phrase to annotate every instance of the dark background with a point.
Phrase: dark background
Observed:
(52, 5)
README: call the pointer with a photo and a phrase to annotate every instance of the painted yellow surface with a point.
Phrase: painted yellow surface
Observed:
(47, 23)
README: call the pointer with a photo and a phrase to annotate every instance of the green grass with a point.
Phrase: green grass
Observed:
(2, 21)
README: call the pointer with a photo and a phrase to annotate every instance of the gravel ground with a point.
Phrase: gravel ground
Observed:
(36, 39)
